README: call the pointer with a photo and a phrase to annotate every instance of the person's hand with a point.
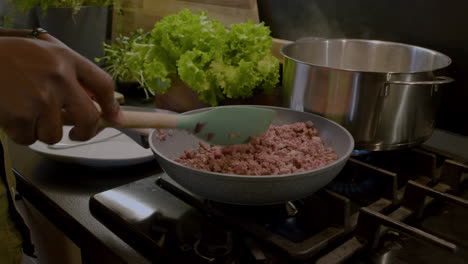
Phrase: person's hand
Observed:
(40, 81)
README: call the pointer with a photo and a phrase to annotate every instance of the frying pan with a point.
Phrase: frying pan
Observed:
(253, 189)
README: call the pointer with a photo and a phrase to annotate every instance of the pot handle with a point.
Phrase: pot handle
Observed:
(438, 80)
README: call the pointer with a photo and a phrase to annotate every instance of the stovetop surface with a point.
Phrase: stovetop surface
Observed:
(363, 216)
(132, 209)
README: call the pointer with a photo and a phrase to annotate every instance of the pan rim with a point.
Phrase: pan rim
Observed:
(341, 159)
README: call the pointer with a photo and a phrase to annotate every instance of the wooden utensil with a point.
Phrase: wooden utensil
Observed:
(227, 125)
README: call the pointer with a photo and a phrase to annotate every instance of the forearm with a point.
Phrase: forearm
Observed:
(14, 32)
(28, 33)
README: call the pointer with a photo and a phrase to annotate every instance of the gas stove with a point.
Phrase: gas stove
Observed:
(408, 206)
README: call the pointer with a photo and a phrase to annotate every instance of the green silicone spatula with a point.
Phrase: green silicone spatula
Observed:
(227, 125)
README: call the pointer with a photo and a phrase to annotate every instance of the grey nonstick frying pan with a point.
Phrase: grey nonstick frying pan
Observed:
(253, 190)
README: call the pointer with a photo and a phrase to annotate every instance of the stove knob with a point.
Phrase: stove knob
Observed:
(159, 229)
(160, 224)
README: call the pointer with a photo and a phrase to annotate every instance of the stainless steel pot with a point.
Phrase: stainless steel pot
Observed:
(385, 93)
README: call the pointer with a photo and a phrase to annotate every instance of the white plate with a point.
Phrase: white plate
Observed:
(115, 151)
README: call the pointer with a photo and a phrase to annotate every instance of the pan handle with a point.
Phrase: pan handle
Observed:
(438, 81)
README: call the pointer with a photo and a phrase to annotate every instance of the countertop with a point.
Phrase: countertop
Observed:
(61, 192)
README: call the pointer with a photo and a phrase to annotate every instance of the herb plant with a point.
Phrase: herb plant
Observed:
(118, 58)
(214, 61)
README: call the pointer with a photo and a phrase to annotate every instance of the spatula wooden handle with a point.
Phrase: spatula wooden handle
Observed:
(137, 119)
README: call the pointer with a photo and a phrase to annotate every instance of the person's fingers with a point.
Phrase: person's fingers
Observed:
(101, 85)
(49, 123)
(81, 111)
(21, 130)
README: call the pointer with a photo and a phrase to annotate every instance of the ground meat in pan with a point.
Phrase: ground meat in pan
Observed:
(282, 149)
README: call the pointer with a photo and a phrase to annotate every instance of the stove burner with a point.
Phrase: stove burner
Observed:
(215, 243)
(358, 152)
(281, 219)
(290, 229)
(361, 184)
(259, 213)
(294, 220)
(365, 190)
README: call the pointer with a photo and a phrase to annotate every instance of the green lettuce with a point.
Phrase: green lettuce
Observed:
(194, 68)
(214, 61)
(182, 32)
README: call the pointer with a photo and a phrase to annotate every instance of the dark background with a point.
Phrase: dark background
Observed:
(434, 24)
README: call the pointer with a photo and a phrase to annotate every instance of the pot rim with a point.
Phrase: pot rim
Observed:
(307, 40)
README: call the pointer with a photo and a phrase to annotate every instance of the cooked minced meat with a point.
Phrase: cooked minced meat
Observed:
(282, 149)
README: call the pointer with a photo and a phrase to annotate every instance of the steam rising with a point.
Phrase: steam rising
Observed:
(309, 21)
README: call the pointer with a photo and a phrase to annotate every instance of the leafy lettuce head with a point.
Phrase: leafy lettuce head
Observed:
(214, 61)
